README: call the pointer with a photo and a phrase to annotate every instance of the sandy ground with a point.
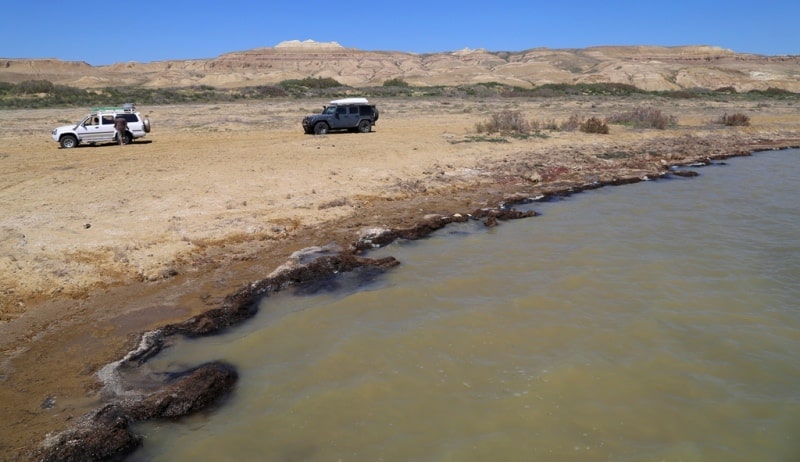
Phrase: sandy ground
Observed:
(101, 243)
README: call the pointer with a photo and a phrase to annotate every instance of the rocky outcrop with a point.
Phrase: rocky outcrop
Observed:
(646, 67)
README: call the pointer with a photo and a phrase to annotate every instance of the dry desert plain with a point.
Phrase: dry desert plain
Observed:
(100, 244)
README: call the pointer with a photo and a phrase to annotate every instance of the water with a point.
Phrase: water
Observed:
(655, 321)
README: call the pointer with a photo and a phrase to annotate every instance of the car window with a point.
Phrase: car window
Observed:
(129, 117)
(353, 109)
(341, 110)
(365, 111)
(108, 120)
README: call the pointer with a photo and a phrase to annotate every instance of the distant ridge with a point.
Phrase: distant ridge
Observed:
(651, 68)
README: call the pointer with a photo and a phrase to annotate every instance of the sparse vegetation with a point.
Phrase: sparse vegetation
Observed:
(340, 202)
(572, 124)
(550, 125)
(504, 122)
(481, 139)
(644, 117)
(734, 120)
(310, 82)
(398, 82)
(264, 91)
(594, 125)
(43, 93)
(590, 125)
(513, 123)
(510, 124)
(553, 172)
(32, 87)
(562, 89)
(773, 93)
(614, 155)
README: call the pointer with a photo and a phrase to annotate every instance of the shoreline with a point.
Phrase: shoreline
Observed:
(105, 432)
(103, 325)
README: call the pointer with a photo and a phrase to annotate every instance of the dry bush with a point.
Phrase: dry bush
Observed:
(573, 123)
(644, 117)
(734, 120)
(505, 122)
(594, 125)
(334, 203)
(550, 125)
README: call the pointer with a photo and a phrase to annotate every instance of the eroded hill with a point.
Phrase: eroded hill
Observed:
(649, 68)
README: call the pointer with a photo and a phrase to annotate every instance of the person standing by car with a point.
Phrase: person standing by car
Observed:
(121, 126)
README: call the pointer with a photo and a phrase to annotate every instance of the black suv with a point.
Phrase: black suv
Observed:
(354, 114)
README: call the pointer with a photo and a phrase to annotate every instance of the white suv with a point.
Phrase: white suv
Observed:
(98, 127)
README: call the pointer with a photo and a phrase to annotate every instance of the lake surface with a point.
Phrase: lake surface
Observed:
(654, 321)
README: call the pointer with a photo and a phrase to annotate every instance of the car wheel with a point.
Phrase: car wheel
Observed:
(320, 128)
(127, 138)
(68, 141)
(365, 126)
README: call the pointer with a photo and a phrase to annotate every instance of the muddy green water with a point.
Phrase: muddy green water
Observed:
(655, 321)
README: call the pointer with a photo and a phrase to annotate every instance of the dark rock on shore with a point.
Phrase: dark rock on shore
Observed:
(105, 434)
(684, 173)
(189, 392)
(490, 216)
(380, 237)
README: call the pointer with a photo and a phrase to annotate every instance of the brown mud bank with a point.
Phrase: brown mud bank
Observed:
(178, 224)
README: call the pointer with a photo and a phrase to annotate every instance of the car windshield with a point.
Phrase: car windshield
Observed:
(329, 110)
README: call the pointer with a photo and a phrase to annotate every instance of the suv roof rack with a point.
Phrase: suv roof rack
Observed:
(350, 101)
(127, 107)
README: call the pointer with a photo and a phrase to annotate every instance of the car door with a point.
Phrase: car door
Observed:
(89, 130)
(106, 132)
(353, 117)
(339, 119)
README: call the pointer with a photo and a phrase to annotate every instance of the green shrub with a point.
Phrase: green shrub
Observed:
(550, 90)
(30, 87)
(311, 82)
(734, 120)
(264, 91)
(398, 82)
(773, 92)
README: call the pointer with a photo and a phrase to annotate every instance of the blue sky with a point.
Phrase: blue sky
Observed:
(143, 30)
